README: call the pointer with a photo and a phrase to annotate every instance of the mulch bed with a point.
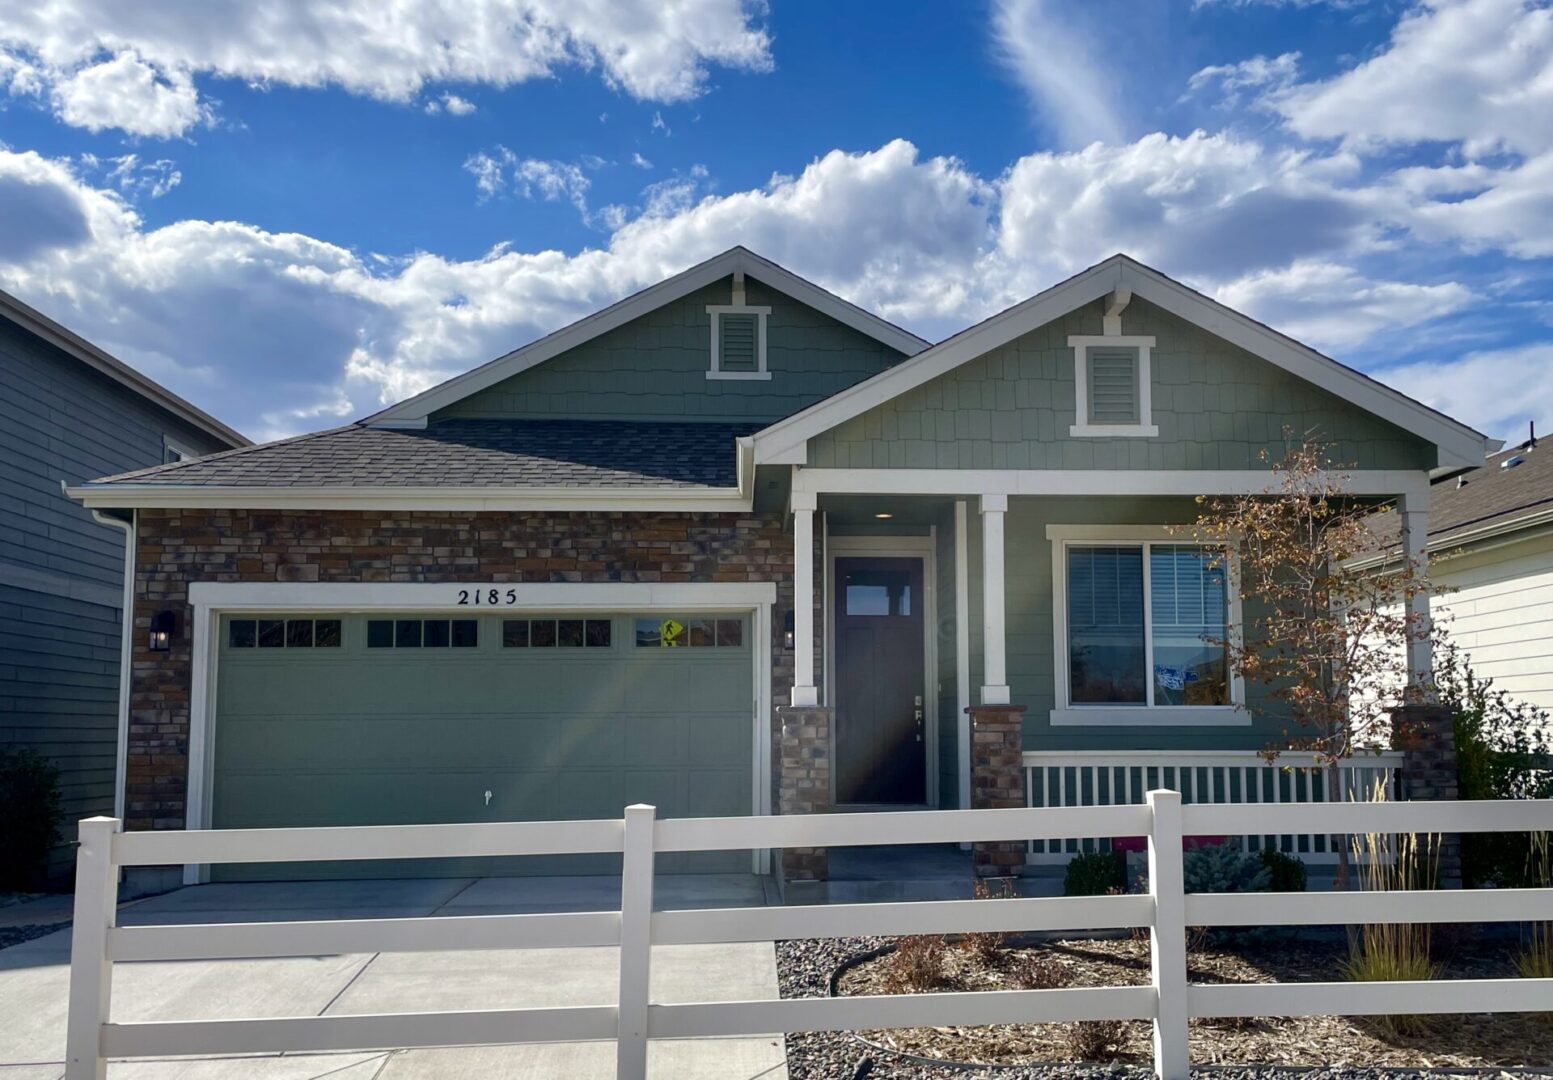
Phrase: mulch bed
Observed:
(1355, 1044)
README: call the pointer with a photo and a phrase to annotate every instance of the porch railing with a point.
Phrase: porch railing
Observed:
(1123, 777)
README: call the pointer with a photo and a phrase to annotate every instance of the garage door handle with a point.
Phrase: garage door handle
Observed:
(487, 798)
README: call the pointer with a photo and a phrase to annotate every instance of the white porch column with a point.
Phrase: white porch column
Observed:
(994, 668)
(1413, 509)
(804, 689)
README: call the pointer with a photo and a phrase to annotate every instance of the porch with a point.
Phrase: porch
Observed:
(1011, 710)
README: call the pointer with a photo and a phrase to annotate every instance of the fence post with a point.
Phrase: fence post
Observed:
(1167, 937)
(636, 872)
(91, 973)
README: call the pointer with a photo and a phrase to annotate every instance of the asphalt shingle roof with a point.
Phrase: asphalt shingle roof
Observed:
(474, 453)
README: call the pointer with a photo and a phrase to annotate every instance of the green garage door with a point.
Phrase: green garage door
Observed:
(340, 719)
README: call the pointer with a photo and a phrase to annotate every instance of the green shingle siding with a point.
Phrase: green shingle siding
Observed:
(1216, 406)
(654, 368)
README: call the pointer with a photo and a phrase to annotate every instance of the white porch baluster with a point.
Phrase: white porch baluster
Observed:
(994, 690)
(804, 688)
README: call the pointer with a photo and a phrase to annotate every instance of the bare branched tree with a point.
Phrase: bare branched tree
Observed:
(1325, 640)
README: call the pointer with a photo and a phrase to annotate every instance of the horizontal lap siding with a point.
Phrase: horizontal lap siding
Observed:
(62, 572)
(177, 548)
(1500, 611)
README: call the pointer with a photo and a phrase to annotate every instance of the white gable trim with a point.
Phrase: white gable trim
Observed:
(785, 442)
(412, 412)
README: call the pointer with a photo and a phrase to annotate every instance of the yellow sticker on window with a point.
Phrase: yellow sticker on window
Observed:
(670, 633)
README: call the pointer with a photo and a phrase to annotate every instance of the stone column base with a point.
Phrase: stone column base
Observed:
(997, 782)
(804, 781)
(1426, 736)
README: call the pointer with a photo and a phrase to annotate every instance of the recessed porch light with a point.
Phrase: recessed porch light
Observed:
(884, 515)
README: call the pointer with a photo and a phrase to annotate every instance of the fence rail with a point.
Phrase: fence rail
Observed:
(1168, 1002)
(1107, 778)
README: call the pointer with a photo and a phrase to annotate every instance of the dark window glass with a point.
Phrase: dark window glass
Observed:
(1106, 652)
(380, 634)
(272, 634)
(701, 633)
(878, 592)
(242, 633)
(730, 632)
(649, 633)
(598, 633)
(326, 634)
(569, 633)
(407, 634)
(514, 633)
(435, 633)
(299, 633)
(541, 633)
(466, 633)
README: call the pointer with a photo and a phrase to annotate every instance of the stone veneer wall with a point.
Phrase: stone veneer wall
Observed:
(177, 547)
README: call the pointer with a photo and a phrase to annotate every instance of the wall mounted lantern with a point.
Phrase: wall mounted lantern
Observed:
(164, 624)
(788, 634)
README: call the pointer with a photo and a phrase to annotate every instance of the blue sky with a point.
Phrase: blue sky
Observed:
(294, 212)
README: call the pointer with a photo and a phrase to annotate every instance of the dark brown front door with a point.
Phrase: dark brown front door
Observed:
(881, 732)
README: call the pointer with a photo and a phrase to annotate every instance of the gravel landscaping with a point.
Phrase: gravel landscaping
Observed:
(1310, 1048)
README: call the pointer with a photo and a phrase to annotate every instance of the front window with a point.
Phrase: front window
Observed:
(1146, 625)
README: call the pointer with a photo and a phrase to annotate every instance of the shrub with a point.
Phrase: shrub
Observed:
(1037, 971)
(1287, 871)
(917, 964)
(1095, 1040)
(987, 948)
(1095, 873)
(1502, 748)
(1535, 960)
(29, 807)
(1391, 952)
(1223, 868)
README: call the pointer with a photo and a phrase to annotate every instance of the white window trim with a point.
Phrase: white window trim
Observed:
(717, 311)
(179, 451)
(1066, 714)
(1082, 428)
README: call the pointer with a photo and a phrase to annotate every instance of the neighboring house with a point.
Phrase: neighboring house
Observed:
(1491, 552)
(71, 412)
(566, 580)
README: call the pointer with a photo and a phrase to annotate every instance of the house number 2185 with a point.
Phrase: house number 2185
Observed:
(486, 596)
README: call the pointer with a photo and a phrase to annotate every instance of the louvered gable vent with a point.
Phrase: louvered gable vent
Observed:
(736, 346)
(1113, 386)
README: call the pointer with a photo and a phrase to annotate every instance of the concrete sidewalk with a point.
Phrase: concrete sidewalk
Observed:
(34, 978)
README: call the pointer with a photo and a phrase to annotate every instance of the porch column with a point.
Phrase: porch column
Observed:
(1413, 509)
(994, 671)
(805, 692)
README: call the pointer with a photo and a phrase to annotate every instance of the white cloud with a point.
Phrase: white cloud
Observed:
(1066, 82)
(131, 65)
(451, 104)
(1498, 391)
(134, 177)
(500, 170)
(1258, 73)
(1333, 307)
(1474, 72)
(127, 93)
(640, 162)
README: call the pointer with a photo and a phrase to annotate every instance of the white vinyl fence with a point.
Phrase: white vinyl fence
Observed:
(1112, 777)
(1166, 911)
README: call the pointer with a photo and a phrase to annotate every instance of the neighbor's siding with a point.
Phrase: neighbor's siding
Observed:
(1216, 406)
(654, 368)
(62, 573)
(1499, 609)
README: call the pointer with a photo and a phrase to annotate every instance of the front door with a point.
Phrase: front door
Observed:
(881, 731)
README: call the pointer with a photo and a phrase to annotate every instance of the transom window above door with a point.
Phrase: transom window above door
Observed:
(1142, 626)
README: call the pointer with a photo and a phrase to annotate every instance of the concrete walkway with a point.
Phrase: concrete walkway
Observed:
(34, 978)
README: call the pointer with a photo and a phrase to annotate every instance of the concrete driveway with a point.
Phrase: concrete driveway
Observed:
(34, 979)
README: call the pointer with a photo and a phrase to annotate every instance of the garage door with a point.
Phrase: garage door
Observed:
(349, 719)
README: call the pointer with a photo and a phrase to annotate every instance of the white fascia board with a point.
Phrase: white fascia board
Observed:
(1129, 482)
(1457, 443)
(783, 442)
(146, 496)
(632, 307)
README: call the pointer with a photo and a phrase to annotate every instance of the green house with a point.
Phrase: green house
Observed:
(736, 546)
